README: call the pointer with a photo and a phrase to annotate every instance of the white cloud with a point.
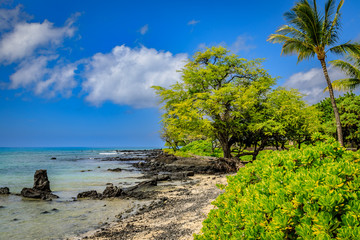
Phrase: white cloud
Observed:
(125, 76)
(144, 29)
(312, 83)
(193, 22)
(9, 17)
(241, 44)
(27, 37)
(35, 75)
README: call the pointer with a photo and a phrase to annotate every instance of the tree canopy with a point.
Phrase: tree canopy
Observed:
(229, 100)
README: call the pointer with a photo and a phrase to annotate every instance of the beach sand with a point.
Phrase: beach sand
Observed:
(177, 214)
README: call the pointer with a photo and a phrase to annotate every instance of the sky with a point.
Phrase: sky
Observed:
(79, 73)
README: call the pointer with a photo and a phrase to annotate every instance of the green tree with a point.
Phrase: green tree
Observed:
(349, 109)
(351, 68)
(310, 33)
(290, 118)
(216, 93)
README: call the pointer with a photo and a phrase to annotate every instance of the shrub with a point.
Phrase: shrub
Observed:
(199, 148)
(312, 193)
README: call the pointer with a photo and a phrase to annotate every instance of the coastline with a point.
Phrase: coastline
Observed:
(177, 213)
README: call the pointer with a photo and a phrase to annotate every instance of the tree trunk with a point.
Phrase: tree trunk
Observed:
(333, 103)
(227, 150)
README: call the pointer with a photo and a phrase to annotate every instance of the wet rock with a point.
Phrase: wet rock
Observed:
(88, 194)
(41, 188)
(34, 193)
(112, 191)
(4, 190)
(115, 170)
(55, 210)
(45, 212)
(41, 181)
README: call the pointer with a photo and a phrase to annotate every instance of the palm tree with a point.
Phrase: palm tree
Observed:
(351, 68)
(310, 33)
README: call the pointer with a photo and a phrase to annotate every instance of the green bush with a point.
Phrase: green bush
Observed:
(199, 148)
(312, 193)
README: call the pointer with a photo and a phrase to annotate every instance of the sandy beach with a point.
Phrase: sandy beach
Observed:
(177, 213)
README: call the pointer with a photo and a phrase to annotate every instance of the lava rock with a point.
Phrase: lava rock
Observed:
(115, 170)
(88, 194)
(41, 181)
(4, 190)
(112, 191)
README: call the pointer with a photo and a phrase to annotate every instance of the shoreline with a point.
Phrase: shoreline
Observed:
(177, 212)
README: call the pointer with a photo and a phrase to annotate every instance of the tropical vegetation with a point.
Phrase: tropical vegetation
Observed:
(309, 193)
(229, 101)
(310, 33)
(351, 68)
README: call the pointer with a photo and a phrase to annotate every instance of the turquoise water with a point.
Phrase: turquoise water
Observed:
(68, 174)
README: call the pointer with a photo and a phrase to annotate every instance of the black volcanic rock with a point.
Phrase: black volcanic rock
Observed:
(41, 181)
(41, 188)
(4, 190)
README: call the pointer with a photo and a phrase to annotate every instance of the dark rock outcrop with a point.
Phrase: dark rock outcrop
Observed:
(139, 191)
(4, 190)
(41, 188)
(112, 191)
(41, 181)
(34, 193)
(115, 170)
(89, 194)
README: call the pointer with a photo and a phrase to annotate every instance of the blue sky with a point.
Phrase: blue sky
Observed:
(78, 73)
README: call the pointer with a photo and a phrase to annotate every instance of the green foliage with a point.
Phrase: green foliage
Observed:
(311, 193)
(352, 69)
(217, 92)
(199, 148)
(349, 109)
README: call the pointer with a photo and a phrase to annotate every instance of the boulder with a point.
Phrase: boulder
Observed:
(41, 181)
(34, 193)
(115, 170)
(88, 194)
(4, 190)
(112, 191)
(41, 188)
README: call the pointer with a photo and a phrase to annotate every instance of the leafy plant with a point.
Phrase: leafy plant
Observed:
(311, 193)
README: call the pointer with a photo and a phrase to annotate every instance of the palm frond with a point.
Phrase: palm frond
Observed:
(291, 31)
(351, 48)
(346, 84)
(348, 68)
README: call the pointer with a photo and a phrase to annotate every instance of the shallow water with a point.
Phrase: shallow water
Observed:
(33, 219)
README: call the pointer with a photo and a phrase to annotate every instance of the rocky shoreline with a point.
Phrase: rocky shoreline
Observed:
(177, 192)
(176, 212)
(181, 190)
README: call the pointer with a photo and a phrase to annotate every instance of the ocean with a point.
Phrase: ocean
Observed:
(73, 171)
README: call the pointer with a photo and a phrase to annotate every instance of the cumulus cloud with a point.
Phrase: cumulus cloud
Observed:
(125, 76)
(144, 29)
(33, 47)
(193, 22)
(27, 37)
(35, 74)
(312, 83)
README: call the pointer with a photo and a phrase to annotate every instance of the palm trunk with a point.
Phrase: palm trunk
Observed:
(333, 103)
